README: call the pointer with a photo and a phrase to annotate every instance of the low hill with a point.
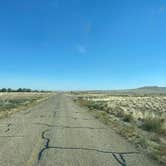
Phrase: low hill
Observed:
(146, 90)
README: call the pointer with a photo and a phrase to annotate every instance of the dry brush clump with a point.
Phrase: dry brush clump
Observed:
(154, 124)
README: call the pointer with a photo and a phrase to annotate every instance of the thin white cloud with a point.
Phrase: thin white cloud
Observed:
(81, 49)
(162, 8)
(88, 28)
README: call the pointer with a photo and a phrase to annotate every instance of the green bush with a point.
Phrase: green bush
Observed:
(96, 106)
(127, 118)
(153, 124)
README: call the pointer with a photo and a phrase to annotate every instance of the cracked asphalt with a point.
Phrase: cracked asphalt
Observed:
(58, 132)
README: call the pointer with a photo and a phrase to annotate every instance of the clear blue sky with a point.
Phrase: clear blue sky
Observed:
(82, 44)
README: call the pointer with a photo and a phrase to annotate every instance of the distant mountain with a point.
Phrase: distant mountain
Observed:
(146, 90)
(150, 89)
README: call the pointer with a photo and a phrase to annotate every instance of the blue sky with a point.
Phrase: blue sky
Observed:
(82, 44)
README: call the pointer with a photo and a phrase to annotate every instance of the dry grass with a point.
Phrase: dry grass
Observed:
(139, 107)
(14, 102)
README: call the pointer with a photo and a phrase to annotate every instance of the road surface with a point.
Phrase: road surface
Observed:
(59, 133)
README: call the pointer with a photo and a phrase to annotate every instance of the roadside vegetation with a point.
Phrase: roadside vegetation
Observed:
(16, 101)
(141, 120)
(154, 125)
(21, 90)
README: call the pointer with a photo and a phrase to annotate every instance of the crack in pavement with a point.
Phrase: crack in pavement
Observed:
(28, 111)
(72, 117)
(8, 128)
(74, 127)
(120, 160)
(118, 156)
(46, 146)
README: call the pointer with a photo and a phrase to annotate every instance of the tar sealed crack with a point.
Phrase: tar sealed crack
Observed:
(120, 159)
(118, 156)
(46, 146)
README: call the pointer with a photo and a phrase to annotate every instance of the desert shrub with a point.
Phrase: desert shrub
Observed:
(153, 124)
(107, 110)
(155, 137)
(96, 106)
(128, 118)
(120, 114)
(105, 117)
(142, 142)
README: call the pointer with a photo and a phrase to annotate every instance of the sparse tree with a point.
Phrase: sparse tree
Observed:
(3, 90)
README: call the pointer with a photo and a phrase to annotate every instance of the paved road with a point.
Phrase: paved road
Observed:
(59, 133)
